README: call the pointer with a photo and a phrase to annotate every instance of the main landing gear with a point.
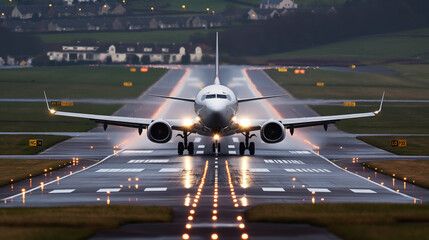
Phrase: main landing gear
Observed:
(246, 145)
(181, 146)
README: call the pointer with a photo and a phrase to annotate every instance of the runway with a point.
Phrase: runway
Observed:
(133, 170)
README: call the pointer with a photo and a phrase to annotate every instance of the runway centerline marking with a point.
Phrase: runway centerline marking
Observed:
(307, 170)
(324, 190)
(156, 189)
(200, 152)
(61, 178)
(284, 161)
(272, 189)
(171, 170)
(258, 170)
(119, 170)
(300, 152)
(62, 191)
(232, 152)
(362, 191)
(231, 146)
(109, 190)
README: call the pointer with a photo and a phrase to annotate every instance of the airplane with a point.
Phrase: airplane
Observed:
(215, 108)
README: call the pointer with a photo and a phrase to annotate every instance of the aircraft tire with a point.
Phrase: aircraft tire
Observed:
(242, 148)
(191, 148)
(180, 148)
(252, 148)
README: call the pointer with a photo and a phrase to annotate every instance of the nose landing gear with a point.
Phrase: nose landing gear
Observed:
(246, 145)
(181, 146)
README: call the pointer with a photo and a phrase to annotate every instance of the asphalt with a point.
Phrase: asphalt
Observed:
(132, 170)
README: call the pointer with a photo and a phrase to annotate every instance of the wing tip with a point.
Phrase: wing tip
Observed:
(381, 104)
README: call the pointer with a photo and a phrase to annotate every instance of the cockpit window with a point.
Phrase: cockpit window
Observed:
(210, 96)
(223, 96)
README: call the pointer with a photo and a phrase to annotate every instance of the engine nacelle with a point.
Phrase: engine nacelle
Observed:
(272, 132)
(159, 131)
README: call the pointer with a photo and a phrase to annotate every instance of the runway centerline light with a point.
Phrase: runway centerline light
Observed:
(188, 226)
(185, 236)
(239, 218)
(244, 236)
(241, 225)
(214, 236)
(190, 218)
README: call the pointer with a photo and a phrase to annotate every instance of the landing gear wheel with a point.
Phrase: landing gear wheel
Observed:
(242, 148)
(252, 148)
(180, 148)
(214, 147)
(191, 148)
(218, 147)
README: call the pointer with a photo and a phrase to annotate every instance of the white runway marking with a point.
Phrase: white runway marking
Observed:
(200, 152)
(231, 146)
(318, 190)
(272, 189)
(62, 191)
(171, 170)
(197, 140)
(119, 170)
(283, 161)
(300, 152)
(307, 170)
(109, 190)
(159, 189)
(149, 161)
(232, 152)
(137, 151)
(257, 170)
(201, 146)
(235, 139)
(362, 191)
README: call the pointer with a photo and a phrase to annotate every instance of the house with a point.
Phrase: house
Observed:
(63, 11)
(277, 4)
(27, 11)
(262, 14)
(2, 62)
(126, 53)
(21, 26)
(207, 21)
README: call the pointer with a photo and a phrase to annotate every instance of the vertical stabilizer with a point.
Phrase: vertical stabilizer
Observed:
(217, 82)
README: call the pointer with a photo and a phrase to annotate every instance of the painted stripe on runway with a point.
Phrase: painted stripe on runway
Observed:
(137, 151)
(318, 190)
(231, 146)
(258, 170)
(284, 161)
(272, 189)
(235, 139)
(171, 170)
(308, 170)
(201, 146)
(109, 190)
(300, 152)
(159, 189)
(232, 152)
(119, 170)
(200, 152)
(197, 140)
(62, 191)
(362, 191)
(149, 161)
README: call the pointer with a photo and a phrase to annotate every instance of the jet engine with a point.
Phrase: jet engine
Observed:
(272, 132)
(159, 131)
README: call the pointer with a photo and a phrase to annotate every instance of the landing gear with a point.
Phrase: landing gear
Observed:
(181, 146)
(216, 146)
(246, 145)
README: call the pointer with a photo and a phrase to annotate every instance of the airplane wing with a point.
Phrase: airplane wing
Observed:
(259, 98)
(292, 123)
(175, 98)
(134, 122)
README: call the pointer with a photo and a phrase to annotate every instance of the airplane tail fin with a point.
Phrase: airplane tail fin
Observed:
(217, 82)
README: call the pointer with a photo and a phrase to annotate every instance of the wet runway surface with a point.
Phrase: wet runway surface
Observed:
(206, 191)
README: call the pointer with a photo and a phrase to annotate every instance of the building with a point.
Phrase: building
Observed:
(127, 53)
(262, 14)
(278, 4)
(27, 11)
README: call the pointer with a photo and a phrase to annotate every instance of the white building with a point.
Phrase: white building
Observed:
(278, 4)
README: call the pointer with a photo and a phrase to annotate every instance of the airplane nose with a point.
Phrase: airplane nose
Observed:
(217, 115)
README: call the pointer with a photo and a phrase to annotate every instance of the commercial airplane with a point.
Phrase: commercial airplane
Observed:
(215, 107)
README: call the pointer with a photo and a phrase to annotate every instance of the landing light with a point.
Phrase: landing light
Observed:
(187, 122)
(244, 123)
(52, 111)
(216, 137)
(234, 119)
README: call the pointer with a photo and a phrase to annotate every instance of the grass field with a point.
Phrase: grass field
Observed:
(61, 82)
(351, 221)
(416, 171)
(74, 222)
(412, 45)
(160, 36)
(416, 145)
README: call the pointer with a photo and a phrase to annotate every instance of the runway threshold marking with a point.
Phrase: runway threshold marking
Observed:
(272, 189)
(307, 170)
(319, 190)
(109, 190)
(119, 170)
(62, 191)
(200, 152)
(284, 161)
(171, 170)
(156, 189)
(359, 176)
(300, 152)
(232, 152)
(235, 139)
(201, 146)
(148, 161)
(362, 191)
(258, 170)
(61, 178)
(231, 146)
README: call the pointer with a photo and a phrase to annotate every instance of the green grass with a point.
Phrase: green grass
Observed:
(160, 36)
(61, 82)
(351, 221)
(415, 171)
(74, 222)
(14, 170)
(416, 145)
(18, 144)
(370, 49)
